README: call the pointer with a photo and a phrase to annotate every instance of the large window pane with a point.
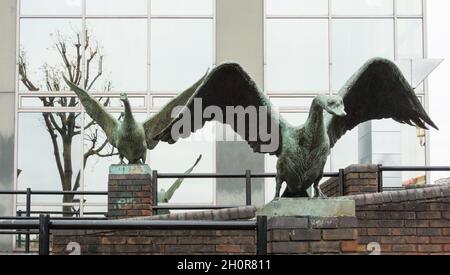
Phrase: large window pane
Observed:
(357, 40)
(38, 48)
(409, 7)
(179, 157)
(297, 55)
(39, 155)
(50, 7)
(182, 7)
(410, 39)
(116, 7)
(345, 152)
(181, 52)
(362, 7)
(123, 45)
(291, 101)
(296, 7)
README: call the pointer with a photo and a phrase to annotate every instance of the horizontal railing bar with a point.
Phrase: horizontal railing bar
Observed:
(53, 218)
(48, 192)
(193, 207)
(131, 225)
(393, 188)
(414, 168)
(62, 213)
(12, 232)
(19, 224)
(199, 176)
(230, 175)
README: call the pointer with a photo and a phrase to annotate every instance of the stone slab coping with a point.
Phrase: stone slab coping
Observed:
(314, 207)
(239, 213)
(418, 194)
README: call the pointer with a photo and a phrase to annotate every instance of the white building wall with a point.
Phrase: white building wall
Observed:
(7, 97)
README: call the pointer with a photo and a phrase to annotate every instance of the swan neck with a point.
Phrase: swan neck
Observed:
(128, 116)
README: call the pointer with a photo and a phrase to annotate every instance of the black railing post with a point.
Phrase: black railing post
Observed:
(28, 214)
(341, 182)
(44, 235)
(380, 178)
(248, 187)
(155, 190)
(19, 236)
(261, 235)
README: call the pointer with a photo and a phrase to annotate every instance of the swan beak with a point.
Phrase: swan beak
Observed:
(341, 113)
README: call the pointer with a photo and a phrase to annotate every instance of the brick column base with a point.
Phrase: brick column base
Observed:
(311, 235)
(129, 191)
(358, 179)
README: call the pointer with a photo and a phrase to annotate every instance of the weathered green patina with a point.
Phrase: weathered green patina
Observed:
(377, 91)
(165, 196)
(131, 138)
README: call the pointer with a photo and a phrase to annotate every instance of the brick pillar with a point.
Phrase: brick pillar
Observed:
(358, 179)
(311, 235)
(129, 191)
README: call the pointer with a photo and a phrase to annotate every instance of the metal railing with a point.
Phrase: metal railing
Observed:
(45, 225)
(382, 169)
(248, 176)
(29, 193)
(155, 176)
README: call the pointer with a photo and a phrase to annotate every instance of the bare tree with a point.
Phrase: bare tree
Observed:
(63, 126)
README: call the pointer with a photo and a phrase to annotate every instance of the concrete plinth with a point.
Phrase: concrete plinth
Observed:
(303, 207)
(129, 191)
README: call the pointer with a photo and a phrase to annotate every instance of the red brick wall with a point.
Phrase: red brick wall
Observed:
(153, 242)
(308, 235)
(405, 222)
(359, 179)
(415, 221)
(129, 196)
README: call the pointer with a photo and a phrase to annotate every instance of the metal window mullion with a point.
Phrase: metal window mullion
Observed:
(330, 64)
(149, 66)
(16, 113)
(214, 142)
(395, 31)
(426, 84)
(83, 113)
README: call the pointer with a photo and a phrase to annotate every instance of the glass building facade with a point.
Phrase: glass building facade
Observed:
(153, 49)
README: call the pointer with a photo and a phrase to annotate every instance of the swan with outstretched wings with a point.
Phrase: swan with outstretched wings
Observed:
(131, 138)
(377, 91)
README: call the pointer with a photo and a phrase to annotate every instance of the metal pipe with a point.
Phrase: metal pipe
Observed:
(19, 243)
(248, 188)
(341, 182)
(44, 235)
(53, 218)
(193, 207)
(414, 168)
(12, 232)
(227, 175)
(130, 224)
(49, 192)
(155, 191)
(28, 214)
(153, 224)
(380, 178)
(261, 235)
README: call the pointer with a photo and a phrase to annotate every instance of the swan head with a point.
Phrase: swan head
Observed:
(123, 97)
(335, 106)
